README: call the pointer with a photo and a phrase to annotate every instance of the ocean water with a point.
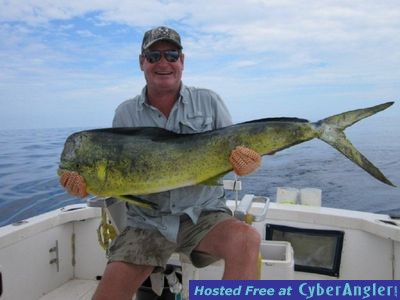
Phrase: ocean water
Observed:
(29, 183)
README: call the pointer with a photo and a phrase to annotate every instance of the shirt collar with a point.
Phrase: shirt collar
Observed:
(183, 96)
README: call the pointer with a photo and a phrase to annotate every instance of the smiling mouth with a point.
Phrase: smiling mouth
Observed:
(163, 73)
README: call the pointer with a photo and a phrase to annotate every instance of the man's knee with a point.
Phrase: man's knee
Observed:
(252, 236)
(243, 254)
(245, 238)
(231, 238)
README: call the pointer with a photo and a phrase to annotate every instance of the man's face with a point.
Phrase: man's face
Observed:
(162, 74)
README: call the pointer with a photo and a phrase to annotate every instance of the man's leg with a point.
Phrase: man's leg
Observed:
(132, 257)
(238, 244)
(121, 281)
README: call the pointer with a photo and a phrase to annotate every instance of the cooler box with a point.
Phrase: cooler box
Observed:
(277, 260)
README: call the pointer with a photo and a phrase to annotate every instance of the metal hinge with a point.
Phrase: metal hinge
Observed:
(55, 260)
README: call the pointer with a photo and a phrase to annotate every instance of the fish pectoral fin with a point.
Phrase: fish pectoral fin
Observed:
(138, 201)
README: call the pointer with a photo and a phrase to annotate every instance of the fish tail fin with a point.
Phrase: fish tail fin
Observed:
(346, 119)
(331, 132)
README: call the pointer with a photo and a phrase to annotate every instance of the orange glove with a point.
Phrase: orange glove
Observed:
(244, 160)
(74, 184)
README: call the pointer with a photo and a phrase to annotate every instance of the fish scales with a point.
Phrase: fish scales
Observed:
(137, 161)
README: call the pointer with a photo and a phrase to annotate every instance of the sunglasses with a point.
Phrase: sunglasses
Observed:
(154, 56)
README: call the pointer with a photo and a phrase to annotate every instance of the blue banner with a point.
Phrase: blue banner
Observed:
(294, 289)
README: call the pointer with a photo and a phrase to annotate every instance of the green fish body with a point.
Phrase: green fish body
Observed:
(142, 160)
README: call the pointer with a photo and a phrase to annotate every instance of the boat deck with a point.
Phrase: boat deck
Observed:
(61, 259)
(75, 289)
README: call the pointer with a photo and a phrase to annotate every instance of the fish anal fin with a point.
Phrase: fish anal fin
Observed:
(138, 201)
(214, 181)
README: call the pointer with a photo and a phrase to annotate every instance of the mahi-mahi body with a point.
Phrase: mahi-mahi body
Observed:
(136, 161)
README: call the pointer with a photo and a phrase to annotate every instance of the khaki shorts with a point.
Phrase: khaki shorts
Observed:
(151, 248)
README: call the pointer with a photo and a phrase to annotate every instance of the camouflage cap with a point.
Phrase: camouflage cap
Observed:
(160, 34)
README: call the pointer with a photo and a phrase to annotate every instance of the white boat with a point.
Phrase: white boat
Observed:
(57, 255)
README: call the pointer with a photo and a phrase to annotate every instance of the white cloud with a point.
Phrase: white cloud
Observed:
(85, 33)
(266, 49)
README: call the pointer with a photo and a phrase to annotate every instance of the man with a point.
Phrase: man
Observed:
(192, 220)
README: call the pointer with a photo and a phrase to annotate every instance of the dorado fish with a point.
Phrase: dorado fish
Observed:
(120, 162)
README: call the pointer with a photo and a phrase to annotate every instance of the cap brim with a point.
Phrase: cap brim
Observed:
(165, 40)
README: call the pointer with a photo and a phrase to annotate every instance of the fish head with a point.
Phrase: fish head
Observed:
(71, 156)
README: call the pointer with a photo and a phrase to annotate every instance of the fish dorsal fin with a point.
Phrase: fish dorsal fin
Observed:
(280, 119)
(153, 133)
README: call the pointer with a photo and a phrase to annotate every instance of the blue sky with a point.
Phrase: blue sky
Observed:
(70, 63)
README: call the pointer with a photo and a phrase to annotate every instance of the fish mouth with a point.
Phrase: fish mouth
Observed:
(61, 171)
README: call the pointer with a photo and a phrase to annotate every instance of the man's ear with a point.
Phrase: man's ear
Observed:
(182, 58)
(141, 61)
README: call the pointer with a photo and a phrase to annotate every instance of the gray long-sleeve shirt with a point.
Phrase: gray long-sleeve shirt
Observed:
(196, 110)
